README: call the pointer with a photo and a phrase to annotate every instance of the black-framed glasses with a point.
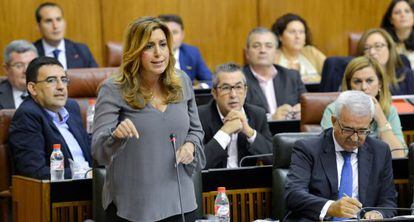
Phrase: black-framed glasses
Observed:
(350, 132)
(53, 80)
(238, 88)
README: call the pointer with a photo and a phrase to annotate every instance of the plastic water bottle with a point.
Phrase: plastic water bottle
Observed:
(90, 113)
(57, 164)
(221, 205)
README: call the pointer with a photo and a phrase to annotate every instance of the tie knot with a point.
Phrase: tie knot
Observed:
(346, 155)
(24, 95)
(56, 53)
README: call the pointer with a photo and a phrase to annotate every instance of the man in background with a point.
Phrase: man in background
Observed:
(188, 58)
(52, 26)
(17, 56)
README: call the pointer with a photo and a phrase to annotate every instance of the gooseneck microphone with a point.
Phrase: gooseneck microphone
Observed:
(172, 140)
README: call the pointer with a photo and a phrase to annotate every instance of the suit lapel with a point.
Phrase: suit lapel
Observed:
(6, 96)
(364, 169)
(328, 159)
(255, 88)
(278, 90)
(76, 132)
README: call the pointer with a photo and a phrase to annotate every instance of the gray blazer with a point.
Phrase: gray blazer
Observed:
(6, 95)
(287, 83)
(141, 177)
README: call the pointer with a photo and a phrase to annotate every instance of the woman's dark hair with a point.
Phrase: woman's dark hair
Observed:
(282, 22)
(389, 27)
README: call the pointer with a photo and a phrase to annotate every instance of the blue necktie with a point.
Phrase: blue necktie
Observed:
(56, 53)
(345, 186)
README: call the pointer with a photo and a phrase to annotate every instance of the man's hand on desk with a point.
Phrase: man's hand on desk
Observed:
(346, 207)
(373, 215)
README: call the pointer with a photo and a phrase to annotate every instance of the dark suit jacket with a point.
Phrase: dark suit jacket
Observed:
(33, 133)
(192, 63)
(78, 55)
(216, 156)
(312, 179)
(6, 95)
(287, 83)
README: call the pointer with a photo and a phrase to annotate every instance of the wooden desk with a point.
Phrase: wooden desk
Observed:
(44, 201)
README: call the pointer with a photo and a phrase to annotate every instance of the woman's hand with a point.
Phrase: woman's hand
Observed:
(185, 154)
(379, 115)
(125, 129)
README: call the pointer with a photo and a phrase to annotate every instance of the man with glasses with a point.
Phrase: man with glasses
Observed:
(45, 118)
(334, 175)
(17, 56)
(233, 129)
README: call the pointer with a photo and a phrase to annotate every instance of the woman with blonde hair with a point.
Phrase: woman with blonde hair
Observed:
(366, 74)
(378, 44)
(137, 111)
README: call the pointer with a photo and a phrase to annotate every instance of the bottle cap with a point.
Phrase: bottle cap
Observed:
(221, 189)
(56, 146)
(91, 102)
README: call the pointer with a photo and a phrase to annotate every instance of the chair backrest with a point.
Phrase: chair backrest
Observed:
(282, 150)
(332, 73)
(113, 54)
(6, 166)
(411, 169)
(353, 39)
(312, 107)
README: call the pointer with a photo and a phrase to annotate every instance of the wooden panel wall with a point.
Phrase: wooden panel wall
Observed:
(217, 27)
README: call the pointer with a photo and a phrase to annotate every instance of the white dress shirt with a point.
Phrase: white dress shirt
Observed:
(268, 89)
(62, 54)
(177, 59)
(17, 97)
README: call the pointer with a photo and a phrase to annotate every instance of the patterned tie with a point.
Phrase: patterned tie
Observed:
(345, 186)
(24, 95)
(56, 53)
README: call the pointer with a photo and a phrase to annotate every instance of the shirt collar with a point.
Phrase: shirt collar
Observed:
(260, 78)
(338, 148)
(49, 48)
(63, 112)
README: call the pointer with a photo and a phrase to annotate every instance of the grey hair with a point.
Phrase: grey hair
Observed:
(226, 68)
(260, 30)
(356, 102)
(19, 46)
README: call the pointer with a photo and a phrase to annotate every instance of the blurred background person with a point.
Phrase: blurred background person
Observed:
(136, 112)
(366, 74)
(187, 58)
(398, 21)
(295, 47)
(17, 56)
(378, 44)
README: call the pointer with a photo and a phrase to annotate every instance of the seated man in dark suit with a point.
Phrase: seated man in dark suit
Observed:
(336, 174)
(52, 26)
(233, 129)
(187, 57)
(17, 55)
(271, 86)
(45, 118)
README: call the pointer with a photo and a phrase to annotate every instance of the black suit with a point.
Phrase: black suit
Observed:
(78, 55)
(313, 178)
(287, 83)
(216, 156)
(6, 95)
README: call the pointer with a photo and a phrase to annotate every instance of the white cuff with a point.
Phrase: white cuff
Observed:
(252, 138)
(324, 210)
(222, 138)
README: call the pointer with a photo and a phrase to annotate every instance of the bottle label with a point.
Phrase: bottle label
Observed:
(222, 210)
(57, 165)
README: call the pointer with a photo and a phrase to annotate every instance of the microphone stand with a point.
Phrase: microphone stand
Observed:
(172, 140)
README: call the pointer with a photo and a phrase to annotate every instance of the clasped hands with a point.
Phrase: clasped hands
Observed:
(287, 112)
(235, 122)
(348, 207)
(126, 129)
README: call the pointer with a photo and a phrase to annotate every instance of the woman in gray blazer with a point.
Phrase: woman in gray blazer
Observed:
(136, 112)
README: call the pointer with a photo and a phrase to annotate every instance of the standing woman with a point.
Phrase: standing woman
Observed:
(136, 112)
(398, 21)
(378, 44)
(295, 49)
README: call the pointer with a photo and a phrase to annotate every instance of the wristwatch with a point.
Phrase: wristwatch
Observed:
(386, 127)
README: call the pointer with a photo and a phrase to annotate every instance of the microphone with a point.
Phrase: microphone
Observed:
(253, 157)
(365, 209)
(173, 140)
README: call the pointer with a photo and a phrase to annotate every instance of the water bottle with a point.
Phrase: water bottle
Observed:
(57, 164)
(90, 113)
(221, 205)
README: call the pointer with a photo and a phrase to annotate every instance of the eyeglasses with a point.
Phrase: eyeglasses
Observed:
(53, 80)
(350, 132)
(226, 89)
(19, 65)
(377, 47)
